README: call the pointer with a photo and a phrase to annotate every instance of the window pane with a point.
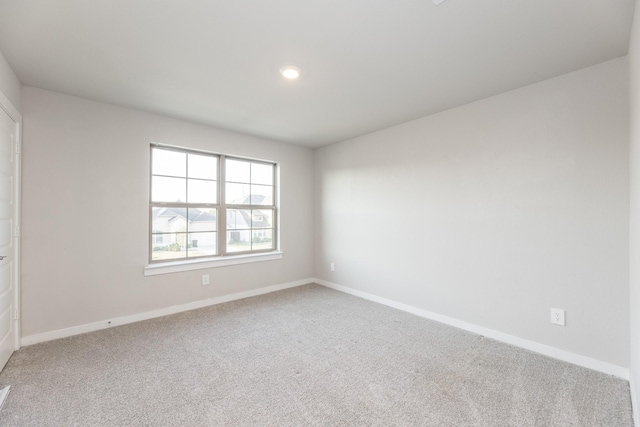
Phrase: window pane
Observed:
(238, 241)
(204, 167)
(203, 244)
(261, 239)
(169, 162)
(201, 191)
(168, 246)
(177, 219)
(238, 219)
(238, 171)
(237, 194)
(168, 189)
(261, 195)
(168, 220)
(261, 174)
(202, 220)
(261, 218)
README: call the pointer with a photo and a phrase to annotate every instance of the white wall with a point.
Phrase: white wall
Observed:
(85, 213)
(9, 84)
(634, 74)
(493, 212)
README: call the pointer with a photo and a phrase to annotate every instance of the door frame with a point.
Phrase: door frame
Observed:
(13, 113)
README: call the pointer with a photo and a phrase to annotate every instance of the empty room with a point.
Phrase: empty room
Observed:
(319, 213)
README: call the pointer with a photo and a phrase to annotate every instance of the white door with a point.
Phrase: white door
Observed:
(8, 263)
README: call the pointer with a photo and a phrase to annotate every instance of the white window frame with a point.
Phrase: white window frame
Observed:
(223, 258)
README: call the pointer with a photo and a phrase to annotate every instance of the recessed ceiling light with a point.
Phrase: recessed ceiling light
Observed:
(290, 72)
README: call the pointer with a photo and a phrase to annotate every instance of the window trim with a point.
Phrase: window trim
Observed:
(223, 257)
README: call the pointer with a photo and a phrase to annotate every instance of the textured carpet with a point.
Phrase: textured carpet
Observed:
(308, 356)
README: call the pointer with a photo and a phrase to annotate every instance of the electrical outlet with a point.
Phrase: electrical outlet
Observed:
(205, 279)
(333, 267)
(557, 316)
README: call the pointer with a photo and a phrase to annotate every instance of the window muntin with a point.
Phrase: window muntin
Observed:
(192, 198)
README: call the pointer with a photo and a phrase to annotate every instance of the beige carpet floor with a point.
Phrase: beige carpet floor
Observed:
(308, 356)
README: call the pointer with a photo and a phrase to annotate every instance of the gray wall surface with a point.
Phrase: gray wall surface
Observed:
(493, 212)
(86, 212)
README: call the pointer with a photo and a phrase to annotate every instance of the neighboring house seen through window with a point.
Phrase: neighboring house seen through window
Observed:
(208, 205)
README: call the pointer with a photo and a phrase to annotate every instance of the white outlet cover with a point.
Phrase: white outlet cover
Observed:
(557, 316)
(205, 279)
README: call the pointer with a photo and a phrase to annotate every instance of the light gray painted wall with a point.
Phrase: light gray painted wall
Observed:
(9, 84)
(493, 212)
(85, 212)
(634, 74)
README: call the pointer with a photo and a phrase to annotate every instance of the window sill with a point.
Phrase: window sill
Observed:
(198, 264)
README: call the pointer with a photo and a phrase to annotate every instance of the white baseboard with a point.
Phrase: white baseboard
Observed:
(104, 324)
(634, 400)
(4, 393)
(546, 350)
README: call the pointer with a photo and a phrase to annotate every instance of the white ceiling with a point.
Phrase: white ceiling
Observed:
(366, 64)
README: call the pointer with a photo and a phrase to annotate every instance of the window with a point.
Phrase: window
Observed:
(209, 205)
